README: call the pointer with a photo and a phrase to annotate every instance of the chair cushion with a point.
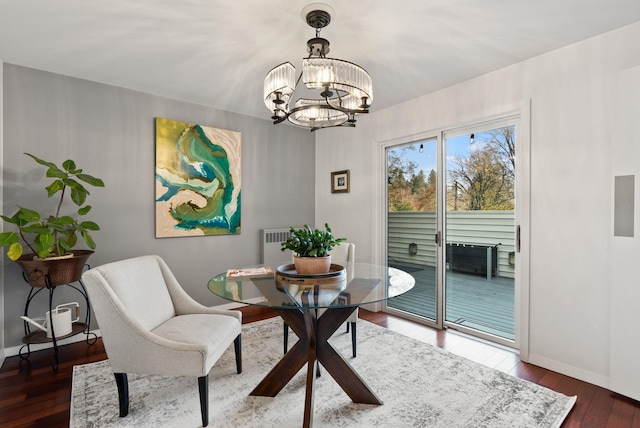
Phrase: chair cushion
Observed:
(213, 332)
(140, 286)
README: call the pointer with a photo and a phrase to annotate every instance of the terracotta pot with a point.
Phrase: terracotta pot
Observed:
(57, 271)
(312, 265)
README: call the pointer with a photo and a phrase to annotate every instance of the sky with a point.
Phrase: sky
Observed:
(427, 160)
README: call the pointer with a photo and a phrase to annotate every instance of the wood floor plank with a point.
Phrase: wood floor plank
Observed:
(599, 410)
(621, 415)
(636, 418)
(585, 392)
(528, 372)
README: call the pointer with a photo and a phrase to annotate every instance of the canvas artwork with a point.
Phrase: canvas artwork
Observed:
(198, 184)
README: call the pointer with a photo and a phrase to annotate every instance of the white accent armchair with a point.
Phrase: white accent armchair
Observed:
(150, 325)
(343, 252)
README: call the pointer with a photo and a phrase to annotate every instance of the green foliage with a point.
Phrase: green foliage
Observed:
(401, 205)
(485, 179)
(311, 243)
(409, 189)
(56, 234)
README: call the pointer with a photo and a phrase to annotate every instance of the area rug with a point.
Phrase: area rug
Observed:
(420, 385)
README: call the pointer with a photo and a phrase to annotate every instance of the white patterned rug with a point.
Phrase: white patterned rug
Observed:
(420, 385)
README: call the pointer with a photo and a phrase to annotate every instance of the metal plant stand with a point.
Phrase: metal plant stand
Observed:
(39, 336)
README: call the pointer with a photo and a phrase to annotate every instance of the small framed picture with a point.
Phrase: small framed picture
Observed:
(340, 181)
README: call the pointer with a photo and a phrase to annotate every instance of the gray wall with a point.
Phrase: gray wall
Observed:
(109, 132)
(2, 323)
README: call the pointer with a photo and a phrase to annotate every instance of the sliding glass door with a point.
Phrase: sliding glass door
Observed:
(412, 192)
(451, 224)
(480, 231)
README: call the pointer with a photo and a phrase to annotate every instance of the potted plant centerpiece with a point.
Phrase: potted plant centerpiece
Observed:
(52, 238)
(311, 249)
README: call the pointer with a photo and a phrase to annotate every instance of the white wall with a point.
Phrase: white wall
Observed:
(109, 132)
(625, 288)
(571, 92)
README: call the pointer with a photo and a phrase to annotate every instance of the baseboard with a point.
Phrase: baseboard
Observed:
(568, 370)
(15, 350)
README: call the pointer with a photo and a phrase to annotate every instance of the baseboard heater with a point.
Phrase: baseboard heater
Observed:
(474, 259)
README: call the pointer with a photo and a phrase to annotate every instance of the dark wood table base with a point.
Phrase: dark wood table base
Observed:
(313, 347)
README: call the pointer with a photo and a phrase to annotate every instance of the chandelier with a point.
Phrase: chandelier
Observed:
(345, 88)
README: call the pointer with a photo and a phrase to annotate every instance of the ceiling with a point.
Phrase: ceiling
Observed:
(216, 53)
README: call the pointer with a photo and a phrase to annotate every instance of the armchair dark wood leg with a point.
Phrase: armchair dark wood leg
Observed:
(203, 387)
(286, 337)
(123, 393)
(237, 344)
(353, 337)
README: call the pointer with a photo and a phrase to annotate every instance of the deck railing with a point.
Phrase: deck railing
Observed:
(486, 228)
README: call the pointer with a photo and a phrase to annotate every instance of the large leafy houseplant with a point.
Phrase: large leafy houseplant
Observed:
(54, 235)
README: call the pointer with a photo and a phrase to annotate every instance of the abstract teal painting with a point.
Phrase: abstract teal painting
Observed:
(198, 181)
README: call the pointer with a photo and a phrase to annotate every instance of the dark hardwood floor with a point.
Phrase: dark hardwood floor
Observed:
(33, 395)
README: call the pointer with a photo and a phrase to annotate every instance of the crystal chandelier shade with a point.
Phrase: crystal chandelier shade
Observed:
(346, 88)
(344, 76)
(316, 114)
(279, 85)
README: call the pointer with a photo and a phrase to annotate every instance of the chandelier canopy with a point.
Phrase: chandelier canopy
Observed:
(346, 88)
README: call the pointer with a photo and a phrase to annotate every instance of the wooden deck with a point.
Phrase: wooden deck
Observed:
(472, 301)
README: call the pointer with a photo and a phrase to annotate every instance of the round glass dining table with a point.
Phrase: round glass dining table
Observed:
(314, 307)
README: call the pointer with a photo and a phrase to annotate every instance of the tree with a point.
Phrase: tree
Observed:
(401, 172)
(409, 190)
(418, 182)
(485, 180)
(505, 140)
(426, 199)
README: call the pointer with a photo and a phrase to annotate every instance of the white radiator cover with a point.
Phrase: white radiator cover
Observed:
(270, 253)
